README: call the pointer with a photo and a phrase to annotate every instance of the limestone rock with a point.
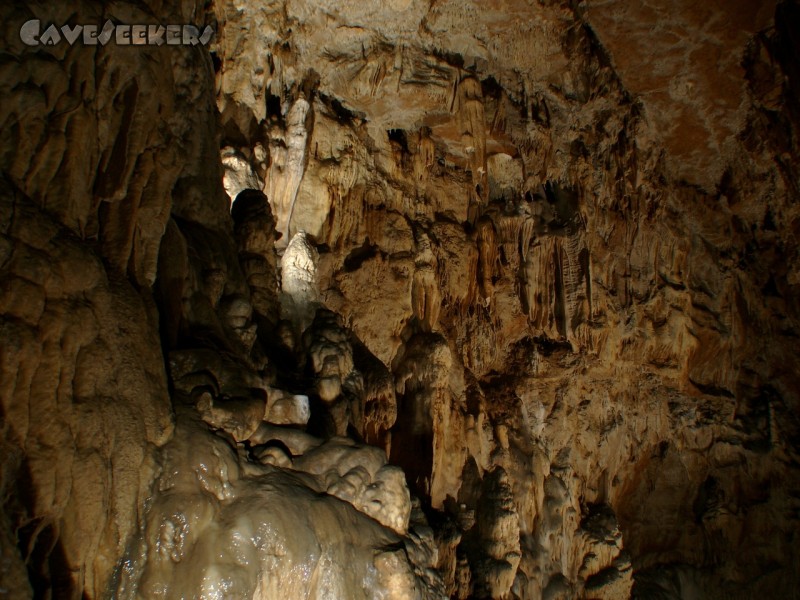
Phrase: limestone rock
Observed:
(535, 263)
(78, 394)
(254, 230)
(287, 164)
(299, 291)
(218, 524)
(287, 409)
(239, 175)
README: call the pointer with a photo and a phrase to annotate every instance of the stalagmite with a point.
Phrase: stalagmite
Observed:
(254, 230)
(299, 291)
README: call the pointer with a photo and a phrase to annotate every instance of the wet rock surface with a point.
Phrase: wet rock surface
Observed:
(402, 300)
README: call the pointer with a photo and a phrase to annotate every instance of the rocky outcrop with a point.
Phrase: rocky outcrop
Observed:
(580, 244)
(84, 406)
(98, 145)
(222, 525)
(407, 299)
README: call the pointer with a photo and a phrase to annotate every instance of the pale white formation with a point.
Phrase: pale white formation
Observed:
(238, 173)
(356, 473)
(287, 409)
(359, 475)
(299, 293)
(224, 527)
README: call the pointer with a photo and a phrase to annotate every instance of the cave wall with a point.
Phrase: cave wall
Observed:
(543, 255)
(95, 141)
(582, 209)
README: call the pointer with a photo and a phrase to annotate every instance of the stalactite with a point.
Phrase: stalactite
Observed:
(509, 230)
(531, 334)
(472, 122)
(426, 297)
(486, 240)
(288, 161)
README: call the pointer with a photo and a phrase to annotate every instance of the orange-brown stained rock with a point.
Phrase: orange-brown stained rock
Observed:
(586, 367)
(684, 60)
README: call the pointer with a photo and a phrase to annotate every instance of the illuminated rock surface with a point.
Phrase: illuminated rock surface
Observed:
(220, 526)
(402, 299)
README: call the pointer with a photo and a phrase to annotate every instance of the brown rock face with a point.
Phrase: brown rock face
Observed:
(84, 406)
(413, 299)
(685, 62)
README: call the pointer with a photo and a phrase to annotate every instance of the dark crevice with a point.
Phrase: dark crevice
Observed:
(360, 255)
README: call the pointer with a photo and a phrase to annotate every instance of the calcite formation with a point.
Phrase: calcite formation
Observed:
(406, 300)
(222, 526)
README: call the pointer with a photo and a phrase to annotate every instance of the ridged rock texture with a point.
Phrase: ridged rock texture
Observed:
(406, 299)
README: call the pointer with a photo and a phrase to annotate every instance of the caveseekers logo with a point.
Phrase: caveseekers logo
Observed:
(31, 34)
